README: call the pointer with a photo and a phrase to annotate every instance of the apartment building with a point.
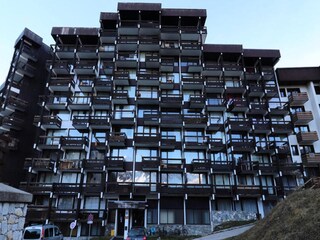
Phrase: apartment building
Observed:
(18, 100)
(300, 88)
(143, 123)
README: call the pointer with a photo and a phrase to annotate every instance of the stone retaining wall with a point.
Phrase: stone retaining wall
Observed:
(13, 210)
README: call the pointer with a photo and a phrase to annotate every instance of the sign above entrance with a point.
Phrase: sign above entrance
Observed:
(127, 204)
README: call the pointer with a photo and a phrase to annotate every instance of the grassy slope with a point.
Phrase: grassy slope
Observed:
(297, 217)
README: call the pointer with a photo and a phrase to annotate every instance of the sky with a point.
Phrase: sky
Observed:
(292, 26)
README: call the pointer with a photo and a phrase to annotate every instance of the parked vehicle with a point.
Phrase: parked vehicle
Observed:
(137, 233)
(42, 232)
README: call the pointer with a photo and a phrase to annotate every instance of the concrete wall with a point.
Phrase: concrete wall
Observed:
(13, 210)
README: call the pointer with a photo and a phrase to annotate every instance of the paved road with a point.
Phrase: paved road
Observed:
(227, 233)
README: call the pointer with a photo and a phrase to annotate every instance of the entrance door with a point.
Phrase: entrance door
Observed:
(120, 222)
(137, 217)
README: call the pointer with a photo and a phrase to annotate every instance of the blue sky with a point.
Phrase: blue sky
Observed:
(289, 25)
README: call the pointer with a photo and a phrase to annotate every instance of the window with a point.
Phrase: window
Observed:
(297, 109)
(292, 91)
(144, 152)
(171, 178)
(194, 178)
(294, 150)
(91, 203)
(283, 92)
(198, 216)
(189, 156)
(302, 128)
(317, 89)
(224, 205)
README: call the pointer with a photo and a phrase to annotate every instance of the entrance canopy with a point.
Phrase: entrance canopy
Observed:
(127, 204)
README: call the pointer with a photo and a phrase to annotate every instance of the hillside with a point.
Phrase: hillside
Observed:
(297, 217)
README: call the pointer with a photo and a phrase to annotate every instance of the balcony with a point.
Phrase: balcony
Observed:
(101, 102)
(200, 165)
(99, 122)
(66, 188)
(301, 118)
(171, 100)
(212, 69)
(146, 139)
(64, 50)
(311, 159)
(282, 127)
(92, 189)
(149, 28)
(215, 123)
(149, 43)
(107, 67)
(151, 118)
(13, 103)
(80, 122)
(106, 50)
(87, 51)
(150, 78)
(60, 84)
(247, 167)
(94, 165)
(77, 103)
(64, 215)
(69, 165)
(23, 70)
(197, 101)
(271, 90)
(169, 48)
(86, 84)
(264, 147)
(108, 35)
(195, 142)
(190, 48)
(195, 120)
(123, 117)
(260, 126)
(39, 164)
(103, 85)
(127, 43)
(248, 190)
(54, 102)
(129, 60)
(256, 90)
(61, 67)
(85, 68)
(190, 33)
(167, 84)
(278, 109)
(267, 73)
(120, 97)
(36, 188)
(282, 147)
(216, 104)
(252, 75)
(192, 83)
(169, 32)
(49, 143)
(150, 163)
(236, 87)
(232, 70)
(307, 138)
(121, 78)
(152, 60)
(198, 189)
(115, 163)
(28, 53)
(128, 27)
(99, 143)
(216, 145)
(223, 190)
(241, 145)
(166, 64)
(11, 122)
(298, 99)
(119, 188)
(258, 109)
(238, 105)
(168, 142)
(47, 122)
(117, 139)
(171, 120)
(214, 85)
(74, 143)
(239, 124)
(172, 165)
